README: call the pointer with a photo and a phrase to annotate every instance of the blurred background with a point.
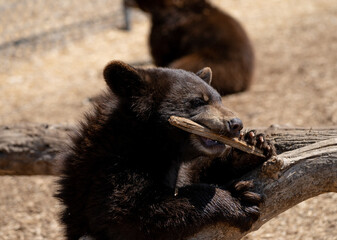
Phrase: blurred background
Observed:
(51, 58)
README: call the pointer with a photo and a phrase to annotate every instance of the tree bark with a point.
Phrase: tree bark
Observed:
(306, 166)
(30, 149)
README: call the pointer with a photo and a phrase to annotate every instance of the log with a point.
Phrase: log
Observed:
(306, 166)
(30, 149)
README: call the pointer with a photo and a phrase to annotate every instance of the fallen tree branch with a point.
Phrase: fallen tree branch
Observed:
(31, 149)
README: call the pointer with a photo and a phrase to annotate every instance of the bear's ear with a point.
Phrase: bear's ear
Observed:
(122, 79)
(205, 74)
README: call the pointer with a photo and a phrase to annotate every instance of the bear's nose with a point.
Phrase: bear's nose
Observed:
(235, 126)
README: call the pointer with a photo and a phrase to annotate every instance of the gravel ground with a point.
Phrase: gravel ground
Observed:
(295, 85)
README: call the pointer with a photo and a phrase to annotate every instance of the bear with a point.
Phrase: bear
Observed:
(190, 34)
(129, 174)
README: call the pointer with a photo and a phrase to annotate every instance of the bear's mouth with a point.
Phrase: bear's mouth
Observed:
(208, 146)
(213, 147)
(210, 143)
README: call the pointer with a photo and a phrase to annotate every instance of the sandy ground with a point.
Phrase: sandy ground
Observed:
(295, 85)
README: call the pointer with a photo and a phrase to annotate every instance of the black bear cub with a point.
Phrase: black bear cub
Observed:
(191, 34)
(119, 177)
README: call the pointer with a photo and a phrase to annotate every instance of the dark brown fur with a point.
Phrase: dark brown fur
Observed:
(119, 174)
(191, 34)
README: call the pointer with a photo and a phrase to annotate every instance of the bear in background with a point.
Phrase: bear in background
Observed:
(191, 34)
(119, 175)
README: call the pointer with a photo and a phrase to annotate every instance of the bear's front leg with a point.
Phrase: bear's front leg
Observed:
(237, 205)
(224, 173)
(196, 206)
(241, 163)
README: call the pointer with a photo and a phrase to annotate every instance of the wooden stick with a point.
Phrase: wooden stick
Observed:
(195, 128)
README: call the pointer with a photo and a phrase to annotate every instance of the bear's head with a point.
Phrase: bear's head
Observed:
(153, 95)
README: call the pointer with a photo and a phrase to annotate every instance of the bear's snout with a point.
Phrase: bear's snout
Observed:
(235, 126)
(220, 120)
(222, 125)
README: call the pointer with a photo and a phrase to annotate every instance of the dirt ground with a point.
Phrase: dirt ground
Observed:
(295, 85)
